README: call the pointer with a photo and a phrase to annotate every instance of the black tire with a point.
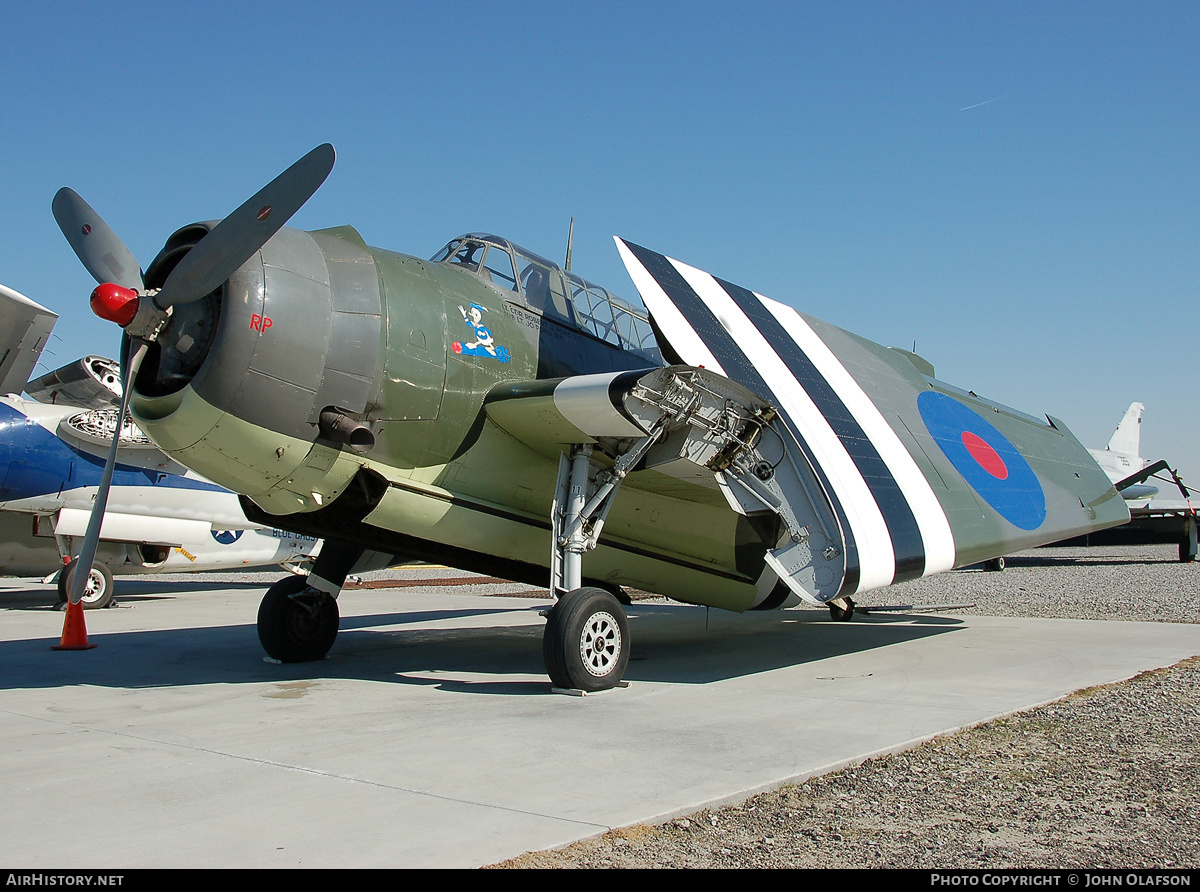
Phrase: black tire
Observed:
(842, 614)
(99, 591)
(1186, 555)
(995, 564)
(586, 642)
(296, 630)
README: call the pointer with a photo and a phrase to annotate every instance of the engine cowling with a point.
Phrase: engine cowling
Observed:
(236, 383)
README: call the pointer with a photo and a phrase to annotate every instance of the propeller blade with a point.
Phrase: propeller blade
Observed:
(236, 238)
(91, 538)
(94, 242)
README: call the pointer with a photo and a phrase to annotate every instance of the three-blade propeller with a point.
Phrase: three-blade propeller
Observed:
(94, 242)
(240, 235)
(202, 270)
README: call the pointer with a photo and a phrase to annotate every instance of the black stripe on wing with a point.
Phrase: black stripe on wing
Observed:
(897, 513)
(739, 368)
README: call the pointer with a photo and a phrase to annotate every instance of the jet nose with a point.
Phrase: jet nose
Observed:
(32, 460)
(8, 418)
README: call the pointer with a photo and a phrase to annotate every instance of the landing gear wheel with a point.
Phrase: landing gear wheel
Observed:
(99, 591)
(995, 564)
(843, 614)
(296, 629)
(1188, 541)
(586, 642)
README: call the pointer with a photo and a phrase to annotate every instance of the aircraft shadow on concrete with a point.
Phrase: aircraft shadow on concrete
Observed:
(672, 643)
(1049, 559)
(125, 591)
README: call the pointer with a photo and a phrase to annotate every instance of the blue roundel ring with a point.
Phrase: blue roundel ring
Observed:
(226, 537)
(988, 462)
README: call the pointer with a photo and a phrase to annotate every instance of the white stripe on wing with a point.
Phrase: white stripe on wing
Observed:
(877, 559)
(935, 529)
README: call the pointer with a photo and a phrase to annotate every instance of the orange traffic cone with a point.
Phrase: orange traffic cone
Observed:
(74, 635)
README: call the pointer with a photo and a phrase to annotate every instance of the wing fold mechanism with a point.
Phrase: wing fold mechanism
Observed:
(684, 424)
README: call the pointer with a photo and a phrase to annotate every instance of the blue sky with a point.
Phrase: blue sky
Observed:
(1012, 187)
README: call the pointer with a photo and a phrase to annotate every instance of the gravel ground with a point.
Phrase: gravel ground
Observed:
(1107, 777)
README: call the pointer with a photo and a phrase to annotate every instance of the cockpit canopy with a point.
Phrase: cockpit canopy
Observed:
(552, 292)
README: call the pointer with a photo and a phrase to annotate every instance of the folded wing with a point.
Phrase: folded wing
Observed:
(921, 476)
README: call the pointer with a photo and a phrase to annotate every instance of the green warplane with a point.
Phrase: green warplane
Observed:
(493, 411)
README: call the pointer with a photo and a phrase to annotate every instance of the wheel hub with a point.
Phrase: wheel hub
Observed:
(600, 644)
(94, 588)
(304, 619)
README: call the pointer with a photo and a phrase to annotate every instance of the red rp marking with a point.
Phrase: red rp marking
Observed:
(987, 457)
(260, 323)
(264, 212)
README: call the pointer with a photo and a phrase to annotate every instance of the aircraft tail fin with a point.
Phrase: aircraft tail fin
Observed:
(1127, 439)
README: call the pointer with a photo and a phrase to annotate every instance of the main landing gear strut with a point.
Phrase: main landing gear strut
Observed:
(669, 418)
(586, 642)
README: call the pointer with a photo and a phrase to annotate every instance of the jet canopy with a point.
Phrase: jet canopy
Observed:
(552, 292)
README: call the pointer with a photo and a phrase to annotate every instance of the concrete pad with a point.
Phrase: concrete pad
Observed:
(430, 736)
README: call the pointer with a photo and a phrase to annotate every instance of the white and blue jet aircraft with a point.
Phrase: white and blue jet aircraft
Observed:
(1153, 517)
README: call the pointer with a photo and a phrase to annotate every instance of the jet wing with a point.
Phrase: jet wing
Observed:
(922, 476)
(25, 327)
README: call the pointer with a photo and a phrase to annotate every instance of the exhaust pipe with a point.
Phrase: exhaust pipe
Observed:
(337, 425)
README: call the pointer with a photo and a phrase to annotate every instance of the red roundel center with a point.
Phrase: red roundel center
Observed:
(987, 457)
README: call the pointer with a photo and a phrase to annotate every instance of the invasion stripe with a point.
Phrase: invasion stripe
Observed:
(687, 342)
(709, 335)
(936, 534)
(902, 525)
(876, 528)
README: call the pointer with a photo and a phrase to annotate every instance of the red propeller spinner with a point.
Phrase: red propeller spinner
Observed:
(114, 303)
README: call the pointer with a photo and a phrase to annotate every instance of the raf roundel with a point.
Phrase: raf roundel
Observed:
(989, 463)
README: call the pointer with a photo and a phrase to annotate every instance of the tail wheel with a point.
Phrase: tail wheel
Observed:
(586, 642)
(1187, 544)
(297, 623)
(99, 590)
(842, 609)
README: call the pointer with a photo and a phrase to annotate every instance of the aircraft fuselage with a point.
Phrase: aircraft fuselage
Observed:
(409, 348)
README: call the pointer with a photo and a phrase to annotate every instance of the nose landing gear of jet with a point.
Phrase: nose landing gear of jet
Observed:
(842, 609)
(99, 590)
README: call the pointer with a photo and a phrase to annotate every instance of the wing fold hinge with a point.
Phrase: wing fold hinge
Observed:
(699, 426)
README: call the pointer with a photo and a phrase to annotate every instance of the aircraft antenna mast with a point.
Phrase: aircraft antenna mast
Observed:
(570, 237)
